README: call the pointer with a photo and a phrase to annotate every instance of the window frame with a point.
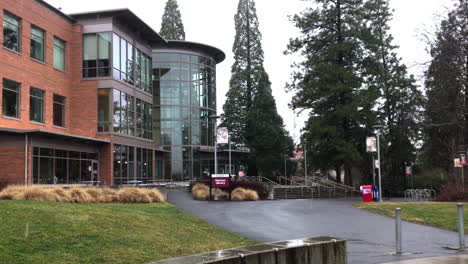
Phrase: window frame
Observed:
(43, 43)
(31, 97)
(63, 106)
(7, 13)
(18, 99)
(110, 67)
(64, 49)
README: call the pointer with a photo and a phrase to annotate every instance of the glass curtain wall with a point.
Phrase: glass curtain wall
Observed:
(55, 166)
(132, 165)
(184, 98)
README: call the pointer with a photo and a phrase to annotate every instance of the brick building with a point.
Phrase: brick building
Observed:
(100, 98)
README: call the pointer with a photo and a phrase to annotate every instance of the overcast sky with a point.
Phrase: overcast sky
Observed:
(212, 22)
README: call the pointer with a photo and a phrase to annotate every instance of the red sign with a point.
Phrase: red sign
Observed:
(220, 181)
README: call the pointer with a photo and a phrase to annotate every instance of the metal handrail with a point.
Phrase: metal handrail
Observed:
(319, 184)
(293, 182)
(334, 184)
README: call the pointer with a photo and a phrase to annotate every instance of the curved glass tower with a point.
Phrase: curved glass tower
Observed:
(184, 82)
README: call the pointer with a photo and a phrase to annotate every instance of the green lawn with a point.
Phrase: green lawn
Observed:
(45, 232)
(442, 215)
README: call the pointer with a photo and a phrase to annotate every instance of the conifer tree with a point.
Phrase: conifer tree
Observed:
(331, 82)
(172, 27)
(400, 100)
(446, 111)
(250, 111)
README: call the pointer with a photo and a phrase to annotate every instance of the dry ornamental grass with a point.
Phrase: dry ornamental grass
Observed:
(82, 195)
(202, 192)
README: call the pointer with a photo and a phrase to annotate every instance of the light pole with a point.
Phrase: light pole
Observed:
(305, 160)
(215, 125)
(378, 127)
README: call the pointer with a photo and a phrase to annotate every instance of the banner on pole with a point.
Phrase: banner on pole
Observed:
(408, 170)
(371, 144)
(456, 163)
(376, 164)
(222, 135)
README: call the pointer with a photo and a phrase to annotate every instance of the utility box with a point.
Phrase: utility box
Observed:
(367, 193)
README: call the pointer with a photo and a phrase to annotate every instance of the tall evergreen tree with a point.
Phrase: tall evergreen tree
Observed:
(446, 130)
(350, 70)
(401, 102)
(172, 27)
(250, 111)
(331, 82)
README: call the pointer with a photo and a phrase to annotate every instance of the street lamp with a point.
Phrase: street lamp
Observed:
(378, 127)
(215, 117)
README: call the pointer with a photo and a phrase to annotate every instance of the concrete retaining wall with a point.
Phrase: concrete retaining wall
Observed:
(319, 250)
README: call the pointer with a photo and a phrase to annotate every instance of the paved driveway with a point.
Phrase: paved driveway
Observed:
(370, 237)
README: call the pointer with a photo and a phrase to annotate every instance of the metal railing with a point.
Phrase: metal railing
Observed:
(420, 195)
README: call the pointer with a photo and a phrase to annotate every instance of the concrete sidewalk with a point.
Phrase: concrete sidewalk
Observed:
(371, 237)
(463, 259)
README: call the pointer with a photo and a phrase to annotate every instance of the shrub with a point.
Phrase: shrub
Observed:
(156, 196)
(259, 187)
(11, 192)
(451, 192)
(193, 183)
(63, 195)
(220, 194)
(79, 195)
(251, 195)
(82, 195)
(200, 191)
(133, 195)
(238, 194)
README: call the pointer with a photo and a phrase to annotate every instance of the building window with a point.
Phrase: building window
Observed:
(11, 32)
(143, 70)
(123, 64)
(11, 98)
(96, 55)
(37, 43)
(123, 114)
(59, 110)
(54, 166)
(104, 110)
(125, 159)
(36, 105)
(144, 122)
(59, 54)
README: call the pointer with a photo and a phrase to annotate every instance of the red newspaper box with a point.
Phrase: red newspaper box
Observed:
(367, 193)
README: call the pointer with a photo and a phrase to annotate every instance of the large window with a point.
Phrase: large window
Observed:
(37, 43)
(122, 59)
(11, 32)
(143, 70)
(54, 166)
(131, 65)
(11, 98)
(124, 111)
(36, 105)
(59, 110)
(104, 109)
(144, 120)
(96, 55)
(59, 54)
(125, 159)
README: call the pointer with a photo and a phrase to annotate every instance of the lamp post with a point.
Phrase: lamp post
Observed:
(215, 117)
(378, 127)
(305, 160)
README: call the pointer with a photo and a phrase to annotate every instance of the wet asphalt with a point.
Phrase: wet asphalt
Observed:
(371, 237)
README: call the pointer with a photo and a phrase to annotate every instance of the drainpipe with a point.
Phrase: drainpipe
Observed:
(26, 159)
